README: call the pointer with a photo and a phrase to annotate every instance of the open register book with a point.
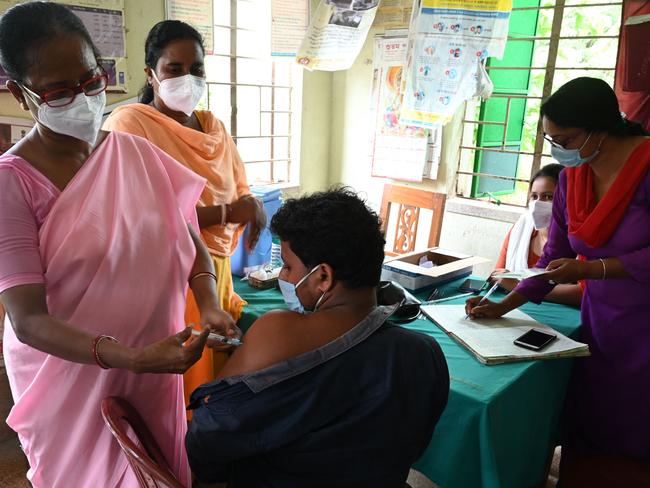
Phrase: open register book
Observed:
(491, 340)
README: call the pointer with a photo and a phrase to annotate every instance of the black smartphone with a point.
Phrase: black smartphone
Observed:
(471, 285)
(535, 339)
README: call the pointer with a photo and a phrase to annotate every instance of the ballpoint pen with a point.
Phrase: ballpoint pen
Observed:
(490, 291)
(219, 338)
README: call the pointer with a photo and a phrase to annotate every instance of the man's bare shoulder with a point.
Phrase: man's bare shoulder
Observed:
(268, 341)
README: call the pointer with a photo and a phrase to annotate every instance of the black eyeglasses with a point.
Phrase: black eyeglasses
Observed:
(564, 144)
(61, 97)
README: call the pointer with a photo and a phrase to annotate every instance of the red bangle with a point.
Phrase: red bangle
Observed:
(96, 343)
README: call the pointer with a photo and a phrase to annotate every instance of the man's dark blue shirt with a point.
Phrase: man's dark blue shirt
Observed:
(356, 412)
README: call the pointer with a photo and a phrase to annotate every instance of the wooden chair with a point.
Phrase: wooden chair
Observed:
(150, 466)
(410, 201)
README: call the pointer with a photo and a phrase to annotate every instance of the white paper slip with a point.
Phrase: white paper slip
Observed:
(491, 340)
(523, 274)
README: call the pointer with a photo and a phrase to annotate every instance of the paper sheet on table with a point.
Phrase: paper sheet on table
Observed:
(491, 340)
(522, 274)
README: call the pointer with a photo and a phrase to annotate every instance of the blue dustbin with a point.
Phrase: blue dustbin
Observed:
(270, 196)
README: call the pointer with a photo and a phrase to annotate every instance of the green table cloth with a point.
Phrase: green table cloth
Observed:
(501, 421)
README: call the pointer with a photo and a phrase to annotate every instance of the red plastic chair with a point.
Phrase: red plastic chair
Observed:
(149, 464)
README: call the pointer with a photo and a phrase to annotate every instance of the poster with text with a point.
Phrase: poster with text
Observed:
(197, 13)
(398, 151)
(336, 34)
(289, 21)
(449, 41)
(393, 14)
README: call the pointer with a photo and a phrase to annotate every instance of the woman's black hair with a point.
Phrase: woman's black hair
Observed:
(334, 227)
(549, 171)
(29, 25)
(591, 104)
(158, 38)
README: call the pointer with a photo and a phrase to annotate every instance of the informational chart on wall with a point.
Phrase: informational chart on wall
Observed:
(336, 34)
(199, 14)
(449, 40)
(289, 22)
(394, 14)
(398, 151)
(104, 20)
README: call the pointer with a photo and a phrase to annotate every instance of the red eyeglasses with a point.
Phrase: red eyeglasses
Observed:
(60, 97)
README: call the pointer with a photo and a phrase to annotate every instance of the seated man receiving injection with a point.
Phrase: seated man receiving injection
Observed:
(330, 392)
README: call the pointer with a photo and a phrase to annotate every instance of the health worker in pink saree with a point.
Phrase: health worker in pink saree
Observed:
(96, 250)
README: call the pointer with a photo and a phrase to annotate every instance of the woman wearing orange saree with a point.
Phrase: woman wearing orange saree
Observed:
(166, 117)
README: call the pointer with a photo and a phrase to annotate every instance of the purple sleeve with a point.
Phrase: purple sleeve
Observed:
(20, 259)
(557, 246)
(637, 263)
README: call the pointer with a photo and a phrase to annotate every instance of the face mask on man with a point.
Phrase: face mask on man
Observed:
(291, 297)
(571, 157)
(181, 93)
(81, 119)
(541, 213)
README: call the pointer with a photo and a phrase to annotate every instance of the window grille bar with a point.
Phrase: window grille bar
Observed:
(254, 85)
(549, 7)
(488, 175)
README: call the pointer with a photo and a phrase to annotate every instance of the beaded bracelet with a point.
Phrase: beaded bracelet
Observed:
(203, 273)
(96, 344)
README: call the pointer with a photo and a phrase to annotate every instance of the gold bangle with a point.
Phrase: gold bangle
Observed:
(602, 261)
(203, 273)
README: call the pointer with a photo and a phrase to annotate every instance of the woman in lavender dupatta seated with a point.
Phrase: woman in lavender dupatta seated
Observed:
(96, 251)
(601, 213)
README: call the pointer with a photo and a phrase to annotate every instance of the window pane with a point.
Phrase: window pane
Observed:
(221, 12)
(248, 110)
(219, 96)
(261, 110)
(217, 69)
(258, 173)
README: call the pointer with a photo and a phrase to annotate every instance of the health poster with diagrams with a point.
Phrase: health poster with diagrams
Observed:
(398, 151)
(449, 41)
(336, 34)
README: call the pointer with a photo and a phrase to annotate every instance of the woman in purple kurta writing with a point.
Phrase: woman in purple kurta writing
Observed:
(601, 213)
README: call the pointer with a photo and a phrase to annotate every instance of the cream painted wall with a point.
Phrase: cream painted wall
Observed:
(316, 131)
(140, 16)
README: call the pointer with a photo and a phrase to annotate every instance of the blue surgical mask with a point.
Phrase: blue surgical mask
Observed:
(291, 297)
(571, 157)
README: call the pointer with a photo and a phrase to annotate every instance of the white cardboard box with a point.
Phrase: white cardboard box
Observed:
(450, 265)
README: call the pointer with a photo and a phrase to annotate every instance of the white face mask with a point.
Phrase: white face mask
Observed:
(291, 297)
(541, 213)
(82, 119)
(182, 93)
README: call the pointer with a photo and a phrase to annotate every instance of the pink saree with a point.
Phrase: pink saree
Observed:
(116, 255)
